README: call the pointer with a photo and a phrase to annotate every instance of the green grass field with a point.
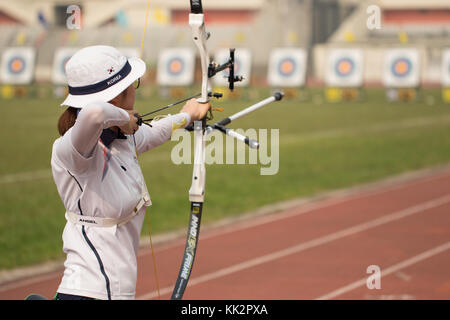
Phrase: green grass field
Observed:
(322, 147)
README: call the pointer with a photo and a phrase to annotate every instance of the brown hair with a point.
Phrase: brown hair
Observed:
(68, 117)
(67, 120)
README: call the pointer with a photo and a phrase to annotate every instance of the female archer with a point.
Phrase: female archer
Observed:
(95, 168)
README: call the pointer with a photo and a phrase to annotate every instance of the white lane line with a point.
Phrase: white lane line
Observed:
(262, 216)
(26, 176)
(31, 281)
(47, 173)
(284, 210)
(308, 245)
(399, 266)
(386, 126)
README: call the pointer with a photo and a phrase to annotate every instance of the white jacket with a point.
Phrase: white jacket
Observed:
(103, 179)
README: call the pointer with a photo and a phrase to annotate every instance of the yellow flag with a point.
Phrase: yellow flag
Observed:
(293, 37)
(240, 37)
(127, 38)
(446, 95)
(21, 38)
(160, 16)
(403, 37)
(349, 36)
(7, 92)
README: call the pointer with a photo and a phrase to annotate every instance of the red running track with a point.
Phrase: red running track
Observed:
(318, 250)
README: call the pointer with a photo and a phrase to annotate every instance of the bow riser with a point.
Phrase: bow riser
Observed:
(199, 36)
(197, 190)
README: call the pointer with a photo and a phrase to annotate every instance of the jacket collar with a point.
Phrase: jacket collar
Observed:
(108, 136)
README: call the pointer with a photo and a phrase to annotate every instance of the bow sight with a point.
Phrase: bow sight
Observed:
(213, 69)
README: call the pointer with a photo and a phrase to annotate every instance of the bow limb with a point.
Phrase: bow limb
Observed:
(199, 36)
(197, 190)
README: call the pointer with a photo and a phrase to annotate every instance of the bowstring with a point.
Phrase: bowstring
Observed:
(148, 216)
(145, 28)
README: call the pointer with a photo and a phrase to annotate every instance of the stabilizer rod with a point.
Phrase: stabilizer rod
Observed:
(277, 96)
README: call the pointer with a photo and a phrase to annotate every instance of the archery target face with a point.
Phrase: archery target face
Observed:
(62, 55)
(344, 68)
(401, 68)
(176, 67)
(287, 67)
(17, 65)
(445, 71)
(242, 67)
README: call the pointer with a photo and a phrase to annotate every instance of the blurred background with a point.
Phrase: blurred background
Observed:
(256, 25)
(366, 82)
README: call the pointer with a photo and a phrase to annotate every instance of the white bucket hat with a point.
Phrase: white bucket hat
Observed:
(99, 73)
